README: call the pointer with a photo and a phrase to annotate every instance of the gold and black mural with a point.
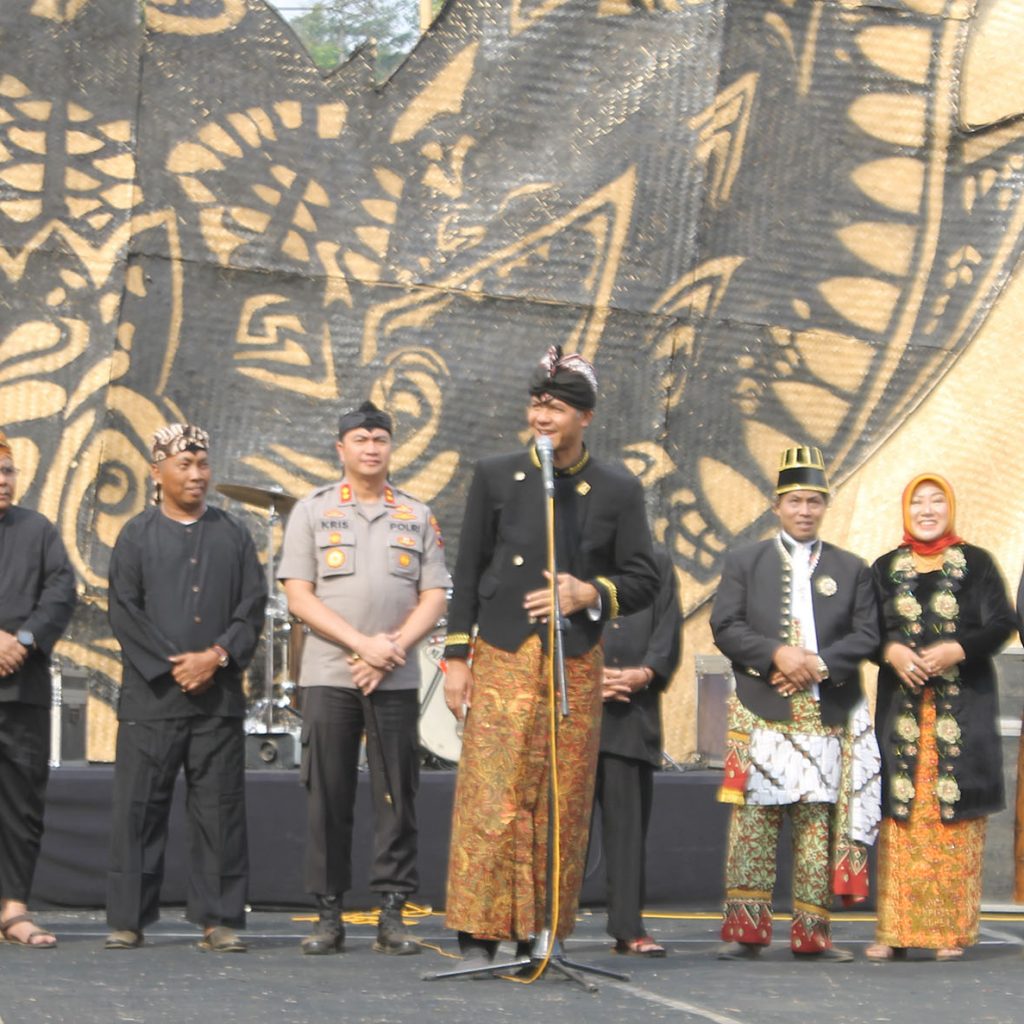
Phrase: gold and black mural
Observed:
(765, 220)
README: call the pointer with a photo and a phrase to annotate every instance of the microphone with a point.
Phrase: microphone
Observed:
(546, 454)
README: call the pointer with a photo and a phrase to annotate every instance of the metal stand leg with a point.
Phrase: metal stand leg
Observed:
(559, 963)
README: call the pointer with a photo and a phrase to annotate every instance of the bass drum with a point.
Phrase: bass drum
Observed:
(440, 732)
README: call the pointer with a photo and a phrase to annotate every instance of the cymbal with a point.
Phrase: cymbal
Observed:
(258, 496)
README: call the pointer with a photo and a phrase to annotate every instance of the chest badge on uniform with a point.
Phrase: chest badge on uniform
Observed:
(520, 475)
(404, 560)
(403, 512)
(583, 488)
(407, 541)
(335, 558)
(335, 538)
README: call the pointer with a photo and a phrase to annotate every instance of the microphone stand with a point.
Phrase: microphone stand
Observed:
(546, 950)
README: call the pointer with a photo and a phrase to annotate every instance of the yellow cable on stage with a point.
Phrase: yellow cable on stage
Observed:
(555, 851)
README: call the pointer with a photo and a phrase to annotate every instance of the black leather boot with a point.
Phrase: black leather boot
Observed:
(328, 935)
(392, 936)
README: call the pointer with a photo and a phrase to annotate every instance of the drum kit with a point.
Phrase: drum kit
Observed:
(272, 709)
(274, 699)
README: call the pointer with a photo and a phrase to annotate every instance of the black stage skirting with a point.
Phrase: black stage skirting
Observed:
(685, 845)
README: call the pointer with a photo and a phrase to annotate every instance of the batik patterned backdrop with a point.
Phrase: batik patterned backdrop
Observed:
(765, 220)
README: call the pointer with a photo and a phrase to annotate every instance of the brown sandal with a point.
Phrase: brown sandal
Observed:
(222, 939)
(643, 946)
(36, 933)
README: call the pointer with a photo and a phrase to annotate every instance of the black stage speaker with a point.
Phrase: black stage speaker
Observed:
(271, 750)
(714, 685)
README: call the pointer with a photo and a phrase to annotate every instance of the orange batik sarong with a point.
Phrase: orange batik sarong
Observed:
(929, 871)
(498, 857)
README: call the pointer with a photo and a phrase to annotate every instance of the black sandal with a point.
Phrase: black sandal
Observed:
(642, 946)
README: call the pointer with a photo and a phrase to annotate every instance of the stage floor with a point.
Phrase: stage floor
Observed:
(168, 981)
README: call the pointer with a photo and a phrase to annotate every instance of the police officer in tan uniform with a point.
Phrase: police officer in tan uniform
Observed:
(363, 567)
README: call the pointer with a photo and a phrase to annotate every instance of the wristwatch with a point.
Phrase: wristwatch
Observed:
(224, 658)
(26, 639)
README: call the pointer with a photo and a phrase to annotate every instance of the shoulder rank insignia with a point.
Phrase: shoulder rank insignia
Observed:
(345, 494)
(437, 530)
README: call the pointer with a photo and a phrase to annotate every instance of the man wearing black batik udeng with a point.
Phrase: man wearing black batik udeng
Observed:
(187, 597)
(497, 885)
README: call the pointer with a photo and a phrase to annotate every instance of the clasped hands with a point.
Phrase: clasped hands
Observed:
(12, 654)
(796, 669)
(619, 684)
(194, 670)
(915, 668)
(373, 658)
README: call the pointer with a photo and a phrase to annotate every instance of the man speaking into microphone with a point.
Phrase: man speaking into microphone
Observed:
(497, 887)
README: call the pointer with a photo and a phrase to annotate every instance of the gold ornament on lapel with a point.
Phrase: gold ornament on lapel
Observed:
(583, 488)
(826, 586)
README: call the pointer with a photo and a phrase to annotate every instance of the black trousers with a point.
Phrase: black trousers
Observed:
(624, 792)
(331, 736)
(149, 754)
(24, 771)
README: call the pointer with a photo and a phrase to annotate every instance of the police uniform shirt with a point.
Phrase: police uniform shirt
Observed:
(368, 563)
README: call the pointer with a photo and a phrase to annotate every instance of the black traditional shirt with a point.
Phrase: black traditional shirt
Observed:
(176, 588)
(646, 639)
(601, 537)
(37, 594)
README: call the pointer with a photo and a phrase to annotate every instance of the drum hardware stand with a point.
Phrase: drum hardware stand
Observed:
(268, 630)
(547, 952)
(669, 763)
(56, 701)
(275, 501)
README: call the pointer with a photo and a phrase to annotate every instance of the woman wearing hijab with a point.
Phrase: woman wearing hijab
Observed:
(944, 615)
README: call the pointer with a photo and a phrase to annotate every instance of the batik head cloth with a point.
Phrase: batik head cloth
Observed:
(802, 469)
(179, 437)
(570, 379)
(5, 446)
(366, 417)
